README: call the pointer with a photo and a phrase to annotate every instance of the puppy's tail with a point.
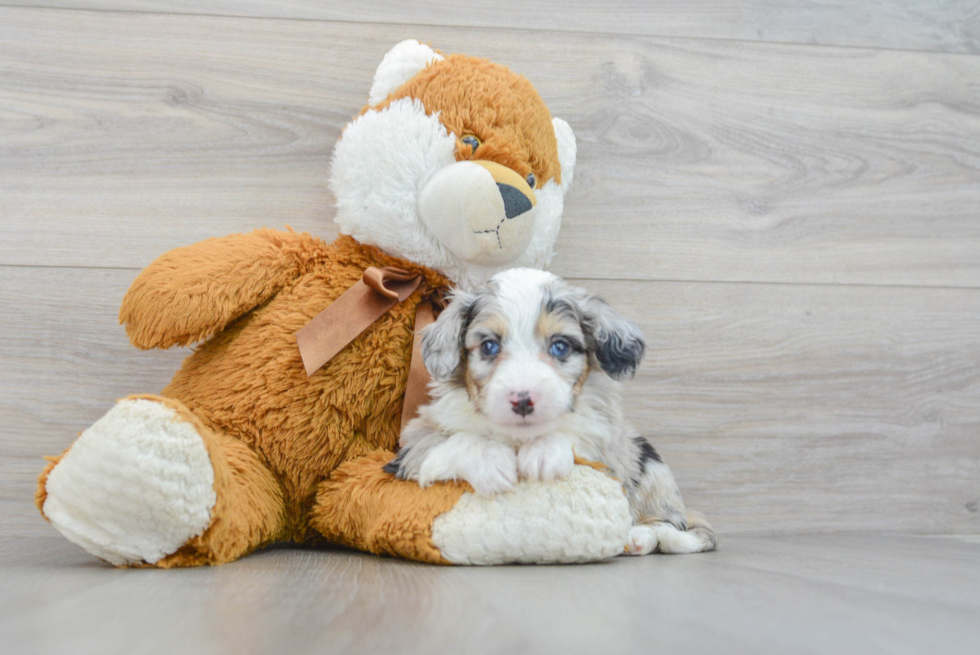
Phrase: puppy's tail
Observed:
(698, 526)
(696, 536)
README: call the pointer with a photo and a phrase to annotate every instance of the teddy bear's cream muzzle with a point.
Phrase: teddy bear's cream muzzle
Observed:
(482, 211)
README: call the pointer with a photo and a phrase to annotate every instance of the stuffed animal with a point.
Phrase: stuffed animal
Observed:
(454, 171)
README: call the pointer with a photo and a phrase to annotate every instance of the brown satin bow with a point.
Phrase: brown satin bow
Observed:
(378, 290)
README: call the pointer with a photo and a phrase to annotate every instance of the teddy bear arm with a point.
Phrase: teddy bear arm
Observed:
(582, 518)
(190, 293)
(363, 507)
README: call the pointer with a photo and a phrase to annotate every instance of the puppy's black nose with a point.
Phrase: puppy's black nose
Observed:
(521, 403)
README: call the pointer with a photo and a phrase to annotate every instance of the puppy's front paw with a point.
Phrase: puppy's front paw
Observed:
(546, 458)
(489, 467)
(495, 473)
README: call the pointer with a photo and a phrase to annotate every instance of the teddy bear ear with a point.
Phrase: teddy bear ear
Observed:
(567, 150)
(399, 66)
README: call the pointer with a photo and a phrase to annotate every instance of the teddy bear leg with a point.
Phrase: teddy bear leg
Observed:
(150, 484)
(364, 507)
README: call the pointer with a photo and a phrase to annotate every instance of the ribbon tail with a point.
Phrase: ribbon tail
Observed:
(378, 290)
(417, 387)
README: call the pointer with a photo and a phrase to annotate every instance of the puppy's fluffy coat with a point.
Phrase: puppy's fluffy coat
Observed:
(525, 376)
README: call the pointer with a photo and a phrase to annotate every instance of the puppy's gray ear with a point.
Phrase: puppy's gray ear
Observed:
(616, 342)
(442, 342)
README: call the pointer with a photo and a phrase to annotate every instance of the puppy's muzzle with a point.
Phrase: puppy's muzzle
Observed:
(482, 211)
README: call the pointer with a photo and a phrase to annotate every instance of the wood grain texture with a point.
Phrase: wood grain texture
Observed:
(812, 408)
(63, 362)
(943, 25)
(779, 407)
(125, 135)
(718, 180)
(842, 594)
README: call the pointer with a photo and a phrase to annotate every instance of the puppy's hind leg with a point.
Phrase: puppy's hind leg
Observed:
(663, 537)
(699, 527)
(662, 523)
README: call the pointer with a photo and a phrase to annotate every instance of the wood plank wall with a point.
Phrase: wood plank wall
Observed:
(787, 200)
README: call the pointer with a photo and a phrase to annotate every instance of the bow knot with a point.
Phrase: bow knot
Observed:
(378, 290)
(393, 283)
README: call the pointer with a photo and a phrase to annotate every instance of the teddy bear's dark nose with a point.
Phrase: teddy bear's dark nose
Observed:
(515, 202)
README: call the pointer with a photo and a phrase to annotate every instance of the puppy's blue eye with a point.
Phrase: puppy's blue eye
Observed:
(531, 180)
(559, 348)
(489, 348)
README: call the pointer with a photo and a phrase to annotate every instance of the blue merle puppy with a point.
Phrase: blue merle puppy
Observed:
(526, 375)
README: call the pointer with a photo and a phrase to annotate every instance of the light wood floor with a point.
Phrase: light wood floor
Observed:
(784, 195)
(840, 594)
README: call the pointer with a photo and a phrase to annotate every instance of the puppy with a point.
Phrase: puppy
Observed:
(525, 377)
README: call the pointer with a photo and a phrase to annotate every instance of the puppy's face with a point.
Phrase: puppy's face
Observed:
(524, 357)
(524, 345)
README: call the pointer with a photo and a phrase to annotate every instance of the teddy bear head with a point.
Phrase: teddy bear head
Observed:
(455, 164)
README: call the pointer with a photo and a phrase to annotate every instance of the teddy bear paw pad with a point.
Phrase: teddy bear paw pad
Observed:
(582, 518)
(135, 486)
